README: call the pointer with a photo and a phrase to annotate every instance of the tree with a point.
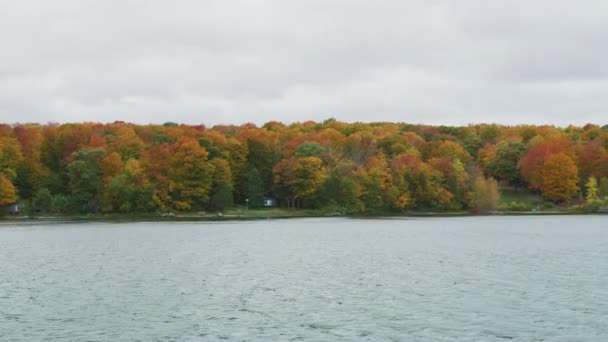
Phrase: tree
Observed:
(592, 191)
(309, 149)
(559, 178)
(255, 188)
(593, 160)
(85, 179)
(190, 175)
(263, 156)
(309, 176)
(127, 143)
(8, 195)
(10, 156)
(221, 193)
(342, 188)
(603, 188)
(485, 195)
(112, 165)
(30, 178)
(531, 165)
(42, 200)
(504, 164)
(129, 191)
(298, 179)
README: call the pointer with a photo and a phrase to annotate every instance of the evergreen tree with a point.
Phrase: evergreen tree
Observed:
(221, 193)
(255, 188)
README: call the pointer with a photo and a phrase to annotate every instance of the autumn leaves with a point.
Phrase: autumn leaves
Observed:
(343, 167)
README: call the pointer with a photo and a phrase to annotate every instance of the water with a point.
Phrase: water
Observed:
(439, 279)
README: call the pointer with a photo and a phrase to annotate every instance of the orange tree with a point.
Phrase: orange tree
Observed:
(559, 177)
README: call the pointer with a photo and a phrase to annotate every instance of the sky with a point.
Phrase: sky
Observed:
(230, 62)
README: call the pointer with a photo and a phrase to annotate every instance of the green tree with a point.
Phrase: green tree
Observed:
(60, 204)
(42, 200)
(603, 188)
(504, 166)
(263, 156)
(30, 178)
(342, 188)
(309, 149)
(85, 179)
(255, 188)
(221, 193)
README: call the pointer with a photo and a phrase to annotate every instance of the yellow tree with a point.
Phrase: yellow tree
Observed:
(485, 195)
(559, 176)
(592, 191)
(190, 175)
(8, 194)
(112, 165)
(309, 175)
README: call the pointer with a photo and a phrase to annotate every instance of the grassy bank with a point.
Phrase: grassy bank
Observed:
(270, 213)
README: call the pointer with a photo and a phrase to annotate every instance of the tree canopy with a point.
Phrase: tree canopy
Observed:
(351, 167)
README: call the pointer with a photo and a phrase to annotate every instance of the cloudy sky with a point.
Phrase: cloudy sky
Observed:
(436, 62)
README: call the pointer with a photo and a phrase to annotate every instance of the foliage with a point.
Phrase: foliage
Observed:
(485, 195)
(85, 178)
(42, 200)
(338, 166)
(255, 188)
(190, 175)
(8, 194)
(221, 193)
(559, 177)
(516, 206)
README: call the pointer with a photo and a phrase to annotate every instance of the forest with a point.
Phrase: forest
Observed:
(344, 167)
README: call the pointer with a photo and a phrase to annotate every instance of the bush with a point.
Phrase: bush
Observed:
(60, 204)
(548, 205)
(517, 206)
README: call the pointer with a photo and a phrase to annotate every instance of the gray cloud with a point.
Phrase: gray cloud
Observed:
(438, 62)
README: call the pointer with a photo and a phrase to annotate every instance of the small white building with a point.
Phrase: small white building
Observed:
(16, 209)
(270, 202)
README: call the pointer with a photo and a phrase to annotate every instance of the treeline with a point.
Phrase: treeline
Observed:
(348, 167)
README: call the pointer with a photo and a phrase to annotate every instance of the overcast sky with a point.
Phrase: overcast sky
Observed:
(436, 62)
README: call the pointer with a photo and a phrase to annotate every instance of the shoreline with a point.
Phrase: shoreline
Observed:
(259, 215)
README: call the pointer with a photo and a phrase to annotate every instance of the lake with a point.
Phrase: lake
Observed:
(426, 279)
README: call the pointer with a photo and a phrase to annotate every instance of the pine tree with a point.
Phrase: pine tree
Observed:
(255, 188)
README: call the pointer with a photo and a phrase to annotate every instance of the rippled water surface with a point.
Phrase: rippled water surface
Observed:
(436, 279)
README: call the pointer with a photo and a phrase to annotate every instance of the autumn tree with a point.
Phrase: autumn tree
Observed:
(592, 192)
(112, 165)
(485, 195)
(8, 194)
(190, 175)
(299, 179)
(593, 160)
(532, 164)
(559, 177)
